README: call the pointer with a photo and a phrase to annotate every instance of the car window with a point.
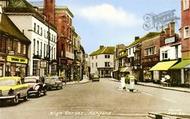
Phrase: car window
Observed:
(30, 80)
(8, 82)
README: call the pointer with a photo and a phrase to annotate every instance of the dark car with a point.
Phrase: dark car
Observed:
(53, 82)
(95, 77)
(36, 84)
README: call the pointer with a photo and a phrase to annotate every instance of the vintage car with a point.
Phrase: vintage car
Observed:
(95, 77)
(12, 89)
(53, 82)
(36, 84)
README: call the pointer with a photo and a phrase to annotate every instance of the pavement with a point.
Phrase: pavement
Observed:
(150, 84)
(180, 89)
(85, 80)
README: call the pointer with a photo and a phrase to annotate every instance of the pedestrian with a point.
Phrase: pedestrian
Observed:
(123, 85)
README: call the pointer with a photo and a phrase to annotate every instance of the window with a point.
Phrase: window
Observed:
(34, 46)
(165, 55)
(107, 56)
(185, 4)
(38, 47)
(186, 32)
(41, 32)
(41, 48)
(96, 64)
(24, 49)
(34, 27)
(92, 65)
(107, 64)
(149, 51)
(44, 50)
(38, 29)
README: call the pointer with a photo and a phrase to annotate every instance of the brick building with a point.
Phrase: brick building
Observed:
(184, 65)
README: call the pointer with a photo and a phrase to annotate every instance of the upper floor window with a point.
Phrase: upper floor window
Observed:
(165, 55)
(34, 46)
(185, 4)
(149, 51)
(19, 47)
(34, 27)
(24, 49)
(107, 64)
(107, 56)
(186, 32)
(38, 29)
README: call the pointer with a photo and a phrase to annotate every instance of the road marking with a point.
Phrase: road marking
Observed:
(169, 100)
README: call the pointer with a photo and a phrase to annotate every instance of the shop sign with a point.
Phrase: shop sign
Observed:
(17, 59)
(170, 40)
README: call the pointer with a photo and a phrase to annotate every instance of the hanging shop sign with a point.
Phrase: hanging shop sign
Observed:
(16, 59)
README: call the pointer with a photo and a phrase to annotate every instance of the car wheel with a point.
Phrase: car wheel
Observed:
(25, 98)
(16, 99)
(38, 94)
(45, 91)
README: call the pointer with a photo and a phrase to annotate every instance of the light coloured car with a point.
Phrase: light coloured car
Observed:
(53, 82)
(36, 84)
(12, 89)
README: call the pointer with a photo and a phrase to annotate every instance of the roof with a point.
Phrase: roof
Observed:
(65, 8)
(22, 6)
(103, 50)
(147, 36)
(8, 27)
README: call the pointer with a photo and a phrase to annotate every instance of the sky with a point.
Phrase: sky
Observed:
(111, 22)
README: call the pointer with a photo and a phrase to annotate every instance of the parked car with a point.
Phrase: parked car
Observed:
(36, 84)
(53, 82)
(12, 89)
(95, 77)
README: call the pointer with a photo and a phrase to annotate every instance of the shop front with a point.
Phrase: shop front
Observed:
(184, 68)
(16, 66)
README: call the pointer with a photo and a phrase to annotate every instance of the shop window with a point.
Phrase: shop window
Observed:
(185, 4)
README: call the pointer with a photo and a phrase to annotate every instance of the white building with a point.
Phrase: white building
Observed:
(42, 35)
(102, 62)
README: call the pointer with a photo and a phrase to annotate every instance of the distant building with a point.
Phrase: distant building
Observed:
(102, 61)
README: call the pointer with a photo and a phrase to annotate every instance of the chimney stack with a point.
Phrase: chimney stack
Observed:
(171, 27)
(101, 46)
(136, 38)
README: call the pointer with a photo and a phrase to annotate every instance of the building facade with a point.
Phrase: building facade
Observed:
(13, 49)
(43, 37)
(102, 62)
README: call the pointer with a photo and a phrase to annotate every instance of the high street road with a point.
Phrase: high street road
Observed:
(99, 100)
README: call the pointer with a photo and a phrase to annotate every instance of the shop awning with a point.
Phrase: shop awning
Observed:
(163, 66)
(182, 64)
(124, 69)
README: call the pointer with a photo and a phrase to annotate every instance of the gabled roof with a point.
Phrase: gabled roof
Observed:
(103, 50)
(147, 36)
(8, 27)
(22, 6)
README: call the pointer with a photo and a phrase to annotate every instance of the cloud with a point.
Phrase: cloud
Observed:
(106, 13)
